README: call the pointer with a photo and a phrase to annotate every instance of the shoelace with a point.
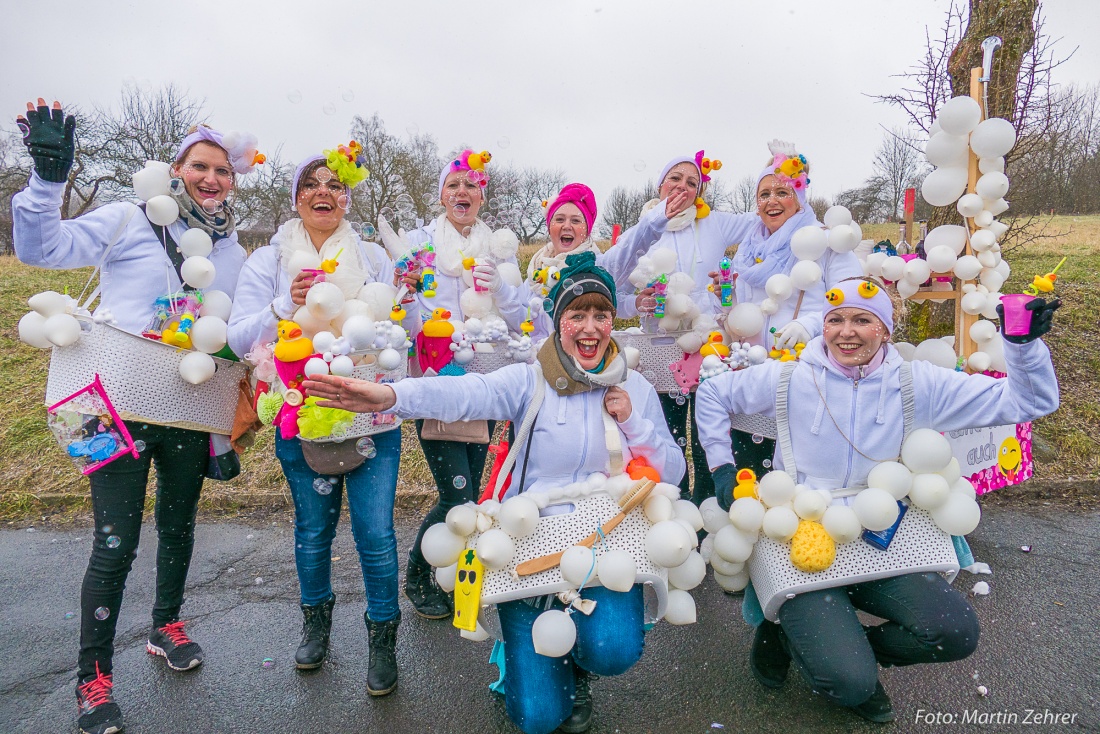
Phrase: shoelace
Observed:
(97, 691)
(174, 632)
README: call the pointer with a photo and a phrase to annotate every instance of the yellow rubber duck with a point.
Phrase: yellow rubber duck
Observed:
(746, 484)
(292, 345)
(397, 313)
(438, 325)
(175, 338)
(715, 346)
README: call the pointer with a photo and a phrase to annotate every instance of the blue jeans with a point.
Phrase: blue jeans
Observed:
(370, 488)
(538, 690)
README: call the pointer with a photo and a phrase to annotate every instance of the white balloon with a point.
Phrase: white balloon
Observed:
(61, 329)
(992, 138)
(951, 235)
(657, 508)
(959, 115)
(992, 186)
(440, 546)
(941, 259)
(734, 583)
(553, 634)
(946, 150)
(983, 331)
(216, 303)
(958, 515)
(980, 361)
(936, 351)
(929, 491)
(663, 259)
(841, 523)
(769, 306)
(999, 206)
(323, 341)
(721, 565)
(315, 366)
(495, 548)
(984, 218)
(51, 303)
(982, 240)
(341, 366)
(446, 577)
(873, 263)
(974, 302)
(893, 268)
(162, 210)
(944, 185)
(906, 288)
(32, 330)
(509, 273)
(843, 238)
(616, 570)
(989, 258)
(780, 524)
(985, 165)
(197, 272)
(837, 215)
(208, 334)
(906, 350)
(892, 476)
(389, 359)
(991, 279)
(963, 487)
(380, 297)
(462, 520)
(747, 514)
(876, 508)
(925, 450)
(779, 287)
(809, 504)
(518, 516)
(578, 565)
(745, 320)
(688, 574)
(668, 543)
(917, 271)
(197, 367)
(757, 354)
(952, 472)
(804, 275)
(970, 205)
(360, 332)
(151, 181)
(196, 243)
(967, 267)
(714, 517)
(680, 608)
(686, 510)
(733, 545)
(809, 243)
(325, 300)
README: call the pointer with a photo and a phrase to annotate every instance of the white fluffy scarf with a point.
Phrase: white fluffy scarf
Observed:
(683, 220)
(296, 251)
(546, 256)
(451, 247)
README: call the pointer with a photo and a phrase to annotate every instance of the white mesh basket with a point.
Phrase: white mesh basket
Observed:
(142, 378)
(366, 424)
(755, 424)
(489, 357)
(919, 546)
(556, 533)
(657, 352)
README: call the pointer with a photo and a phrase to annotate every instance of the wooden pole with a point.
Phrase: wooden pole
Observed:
(964, 345)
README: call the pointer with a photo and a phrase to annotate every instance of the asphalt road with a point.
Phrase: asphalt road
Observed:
(1039, 649)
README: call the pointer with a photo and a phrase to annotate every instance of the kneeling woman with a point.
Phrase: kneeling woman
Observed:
(850, 432)
(585, 377)
(269, 292)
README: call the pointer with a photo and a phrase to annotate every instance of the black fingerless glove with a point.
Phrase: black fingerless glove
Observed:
(48, 135)
(724, 478)
(1042, 316)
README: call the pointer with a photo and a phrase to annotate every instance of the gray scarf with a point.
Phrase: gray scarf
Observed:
(219, 225)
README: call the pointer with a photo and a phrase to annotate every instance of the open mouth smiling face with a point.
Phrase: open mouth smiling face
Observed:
(585, 335)
(568, 228)
(775, 203)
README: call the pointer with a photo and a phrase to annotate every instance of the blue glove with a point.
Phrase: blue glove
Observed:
(724, 478)
(48, 135)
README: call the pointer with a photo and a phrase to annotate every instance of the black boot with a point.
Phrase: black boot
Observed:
(429, 601)
(768, 660)
(581, 718)
(382, 667)
(316, 625)
(877, 708)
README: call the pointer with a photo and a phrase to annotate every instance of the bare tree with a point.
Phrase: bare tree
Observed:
(897, 164)
(263, 197)
(515, 199)
(624, 207)
(820, 205)
(867, 203)
(744, 195)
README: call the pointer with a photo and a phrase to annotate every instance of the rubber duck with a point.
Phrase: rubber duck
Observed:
(397, 314)
(715, 346)
(292, 345)
(638, 468)
(330, 265)
(527, 326)
(746, 484)
(438, 325)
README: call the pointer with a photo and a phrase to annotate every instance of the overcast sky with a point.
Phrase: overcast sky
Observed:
(606, 90)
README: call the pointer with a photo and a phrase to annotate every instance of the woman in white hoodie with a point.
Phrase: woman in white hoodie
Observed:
(587, 386)
(272, 287)
(138, 266)
(848, 388)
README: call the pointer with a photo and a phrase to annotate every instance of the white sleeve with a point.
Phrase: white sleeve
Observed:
(258, 292)
(734, 227)
(42, 239)
(499, 395)
(512, 302)
(743, 392)
(647, 433)
(621, 258)
(948, 400)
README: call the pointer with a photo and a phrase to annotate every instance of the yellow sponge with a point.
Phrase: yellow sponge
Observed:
(812, 550)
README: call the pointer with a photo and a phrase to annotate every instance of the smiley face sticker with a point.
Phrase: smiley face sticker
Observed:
(835, 297)
(867, 289)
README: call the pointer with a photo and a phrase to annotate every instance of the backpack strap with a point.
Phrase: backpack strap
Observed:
(908, 399)
(782, 421)
(103, 260)
(523, 434)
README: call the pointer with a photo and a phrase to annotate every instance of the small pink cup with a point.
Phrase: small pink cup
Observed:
(1017, 318)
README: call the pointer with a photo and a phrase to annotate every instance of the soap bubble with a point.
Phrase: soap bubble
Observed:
(650, 375)
(681, 400)
(404, 203)
(577, 290)
(329, 108)
(348, 96)
(465, 230)
(365, 447)
(343, 201)
(639, 165)
(113, 541)
(548, 304)
(176, 186)
(211, 206)
(767, 463)
(567, 284)
(460, 210)
(757, 438)
(69, 615)
(495, 203)
(139, 446)
(561, 383)
(102, 613)
(322, 486)
(503, 142)
(268, 663)
(681, 442)
(259, 580)
(459, 482)
(387, 214)
(294, 96)
(323, 174)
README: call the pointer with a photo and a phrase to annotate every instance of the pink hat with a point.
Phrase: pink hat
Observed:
(575, 193)
(859, 293)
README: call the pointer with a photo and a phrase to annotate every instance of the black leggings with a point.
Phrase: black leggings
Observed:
(118, 500)
(676, 417)
(457, 468)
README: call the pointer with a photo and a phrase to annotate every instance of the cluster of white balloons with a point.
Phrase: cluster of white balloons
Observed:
(680, 311)
(51, 322)
(671, 543)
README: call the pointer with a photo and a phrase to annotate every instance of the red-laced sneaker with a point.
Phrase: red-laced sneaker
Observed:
(99, 714)
(173, 644)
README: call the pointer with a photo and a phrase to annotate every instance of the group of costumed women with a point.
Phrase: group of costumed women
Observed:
(587, 405)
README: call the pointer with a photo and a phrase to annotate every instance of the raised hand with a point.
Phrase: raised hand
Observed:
(48, 135)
